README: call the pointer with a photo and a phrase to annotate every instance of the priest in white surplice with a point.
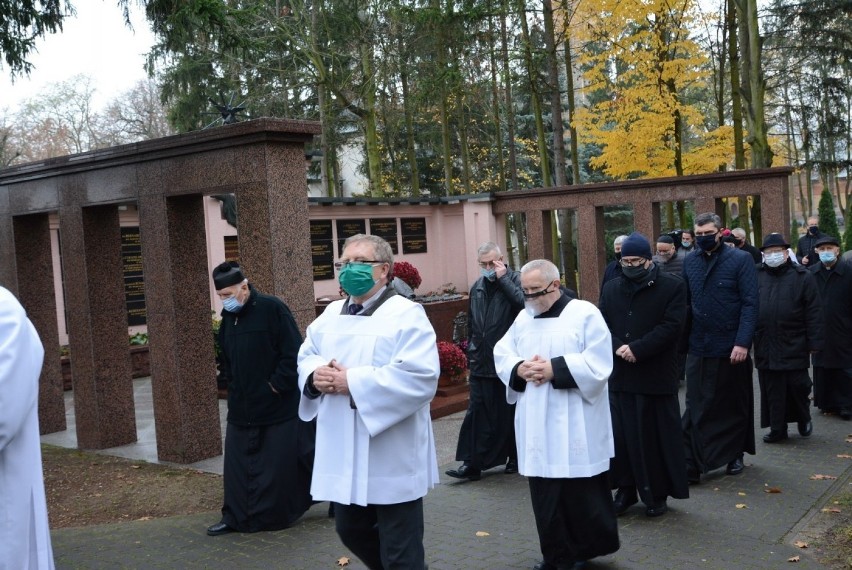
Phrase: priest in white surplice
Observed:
(555, 361)
(368, 370)
(24, 533)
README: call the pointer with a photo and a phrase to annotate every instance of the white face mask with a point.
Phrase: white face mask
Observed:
(773, 259)
(532, 309)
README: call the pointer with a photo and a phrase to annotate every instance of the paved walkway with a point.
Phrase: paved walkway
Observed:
(705, 531)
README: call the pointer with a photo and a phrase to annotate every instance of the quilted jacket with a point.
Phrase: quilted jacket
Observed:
(723, 300)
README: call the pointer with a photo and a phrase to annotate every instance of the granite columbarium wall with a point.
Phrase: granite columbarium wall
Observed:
(260, 161)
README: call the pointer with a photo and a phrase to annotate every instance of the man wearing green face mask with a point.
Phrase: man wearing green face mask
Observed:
(367, 370)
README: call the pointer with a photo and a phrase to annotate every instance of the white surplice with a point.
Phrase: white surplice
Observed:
(383, 452)
(24, 533)
(561, 433)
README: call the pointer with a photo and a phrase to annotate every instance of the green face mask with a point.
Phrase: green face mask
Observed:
(357, 278)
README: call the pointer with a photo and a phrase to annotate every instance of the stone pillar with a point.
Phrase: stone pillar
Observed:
(273, 223)
(183, 364)
(775, 212)
(705, 204)
(539, 239)
(97, 326)
(591, 255)
(35, 273)
(643, 219)
(8, 278)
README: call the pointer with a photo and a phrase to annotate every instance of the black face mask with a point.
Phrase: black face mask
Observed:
(707, 243)
(637, 274)
(813, 230)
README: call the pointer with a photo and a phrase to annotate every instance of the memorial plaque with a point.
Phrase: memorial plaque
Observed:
(322, 252)
(134, 284)
(232, 248)
(413, 235)
(349, 228)
(385, 228)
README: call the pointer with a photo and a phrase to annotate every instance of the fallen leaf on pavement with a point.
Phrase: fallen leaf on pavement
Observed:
(831, 510)
(742, 506)
(772, 490)
(482, 533)
(793, 559)
(741, 494)
(844, 456)
(819, 477)
(343, 561)
(800, 544)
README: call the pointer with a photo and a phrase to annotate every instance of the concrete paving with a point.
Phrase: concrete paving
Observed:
(489, 523)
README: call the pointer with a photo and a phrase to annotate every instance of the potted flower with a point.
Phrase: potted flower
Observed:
(407, 273)
(453, 363)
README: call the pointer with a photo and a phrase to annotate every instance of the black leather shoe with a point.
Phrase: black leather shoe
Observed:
(547, 566)
(512, 466)
(465, 472)
(218, 529)
(806, 428)
(775, 436)
(624, 499)
(693, 477)
(735, 467)
(657, 510)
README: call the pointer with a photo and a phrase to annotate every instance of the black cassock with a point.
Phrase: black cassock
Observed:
(718, 424)
(487, 434)
(648, 446)
(267, 473)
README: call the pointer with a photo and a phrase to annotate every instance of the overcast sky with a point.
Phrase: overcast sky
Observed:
(95, 42)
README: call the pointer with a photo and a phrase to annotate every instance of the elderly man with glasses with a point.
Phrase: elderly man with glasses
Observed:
(368, 370)
(718, 423)
(487, 434)
(645, 311)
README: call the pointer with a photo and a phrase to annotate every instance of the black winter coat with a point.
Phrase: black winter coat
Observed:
(493, 308)
(259, 348)
(835, 288)
(806, 248)
(650, 319)
(790, 319)
(722, 293)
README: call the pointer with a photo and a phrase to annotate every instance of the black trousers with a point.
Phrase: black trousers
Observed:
(575, 518)
(384, 537)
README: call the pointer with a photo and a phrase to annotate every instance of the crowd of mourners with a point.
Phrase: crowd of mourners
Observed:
(581, 399)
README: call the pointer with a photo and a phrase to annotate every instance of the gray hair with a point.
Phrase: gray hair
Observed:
(708, 218)
(381, 248)
(739, 232)
(619, 240)
(488, 247)
(547, 269)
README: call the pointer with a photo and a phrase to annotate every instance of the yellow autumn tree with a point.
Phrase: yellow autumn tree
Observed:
(640, 59)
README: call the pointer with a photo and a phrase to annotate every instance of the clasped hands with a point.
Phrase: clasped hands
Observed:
(536, 370)
(331, 379)
(625, 353)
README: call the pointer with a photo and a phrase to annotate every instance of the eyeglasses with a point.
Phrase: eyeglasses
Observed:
(487, 264)
(344, 264)
(632, 262)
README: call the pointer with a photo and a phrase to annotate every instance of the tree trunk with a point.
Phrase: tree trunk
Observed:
(495, 103)
(535, 96)
(555, 97)
(507, 88)
(736, 95)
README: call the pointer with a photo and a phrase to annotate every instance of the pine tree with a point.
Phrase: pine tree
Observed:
(847, 235)
(827, 218)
